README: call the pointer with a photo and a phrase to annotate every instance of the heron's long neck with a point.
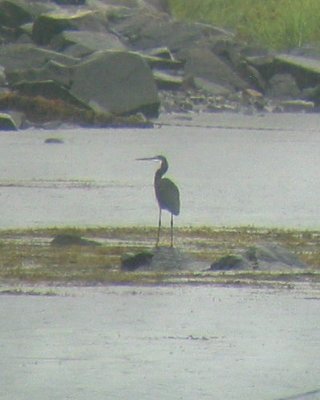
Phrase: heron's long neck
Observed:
(161, 171)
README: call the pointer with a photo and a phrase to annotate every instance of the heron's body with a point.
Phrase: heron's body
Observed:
(167, 193)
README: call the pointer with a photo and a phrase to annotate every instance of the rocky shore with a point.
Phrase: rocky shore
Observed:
(122, 63)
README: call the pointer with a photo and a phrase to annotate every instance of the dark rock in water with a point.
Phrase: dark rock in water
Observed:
(69, 239)
(131, 262)
(230, 262)
(117, 82)
(7, 123)
(53, 141)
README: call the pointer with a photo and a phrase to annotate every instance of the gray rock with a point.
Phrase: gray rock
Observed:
(146, 29)
(14, 13)
(51, 71)
(53, 140)
(211, 87)
(117, 82)
(167, 81)
(297, 106)
(7, 123)
(87, 42)
(272, 256)
(202, 63)
(47, 26)
(265, 257)
(50, 90)
(23, 56)
(283, 86)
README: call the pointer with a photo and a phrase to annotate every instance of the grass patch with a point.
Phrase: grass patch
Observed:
(28, 256)
(277, 24)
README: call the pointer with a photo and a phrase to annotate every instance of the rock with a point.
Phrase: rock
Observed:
(160, 5)
(50, 71)
(117, 82)
(86, 42)
(23, 56)
(70, 239)
(50, 90)
(272, 256)
(297, 106)
(305, 70)
(131, 262)
(7, 123)
(230, 262)
(146, 29)
(260, 257)
(47, 26)
(166, 81)
(283, 86)
(53, 141)
(163, 63)
(202, 63)
(14, 13)
(211, 87)
(170, 259)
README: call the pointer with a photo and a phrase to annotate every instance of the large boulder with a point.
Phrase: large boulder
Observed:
(116, 81)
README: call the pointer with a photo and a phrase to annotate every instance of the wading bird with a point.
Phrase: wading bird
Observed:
(166, 192)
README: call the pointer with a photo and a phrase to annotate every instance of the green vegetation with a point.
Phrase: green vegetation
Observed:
(277, 24)
(27, 256)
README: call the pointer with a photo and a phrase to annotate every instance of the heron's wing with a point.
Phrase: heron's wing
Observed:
(168, 196)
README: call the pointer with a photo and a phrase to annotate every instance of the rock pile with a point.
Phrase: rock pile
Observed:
(96, 62)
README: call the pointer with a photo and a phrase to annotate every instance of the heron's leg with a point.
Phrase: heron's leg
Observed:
(171, 230)
(159, 227)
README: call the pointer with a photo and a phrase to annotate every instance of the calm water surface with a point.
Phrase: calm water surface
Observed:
(231, 170)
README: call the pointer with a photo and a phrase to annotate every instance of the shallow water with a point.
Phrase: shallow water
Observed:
(231, 170)
(160, 342)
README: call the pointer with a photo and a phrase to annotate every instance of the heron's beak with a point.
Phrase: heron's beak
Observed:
(147, 159)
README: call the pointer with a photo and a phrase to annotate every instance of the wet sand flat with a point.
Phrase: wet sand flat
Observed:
(165, 342)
